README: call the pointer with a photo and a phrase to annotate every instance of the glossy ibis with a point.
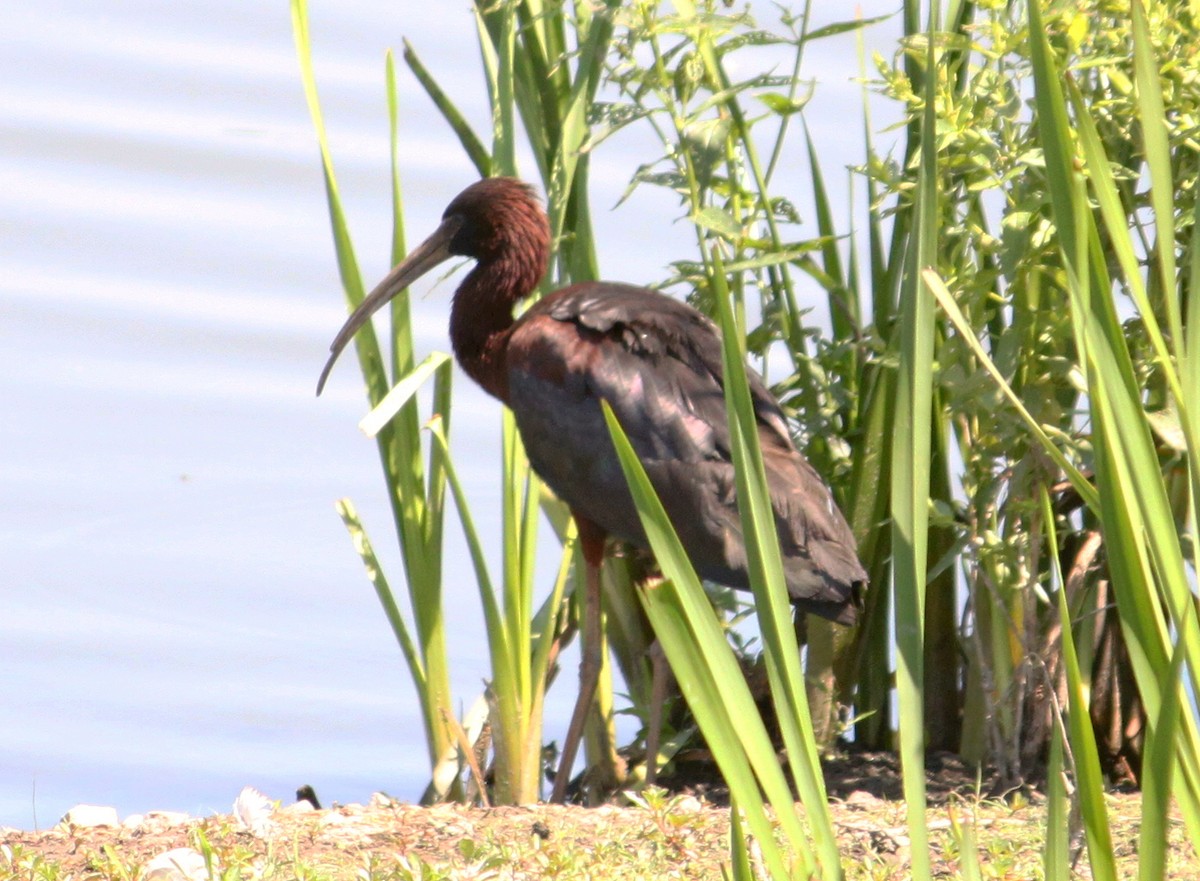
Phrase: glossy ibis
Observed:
(657, 361)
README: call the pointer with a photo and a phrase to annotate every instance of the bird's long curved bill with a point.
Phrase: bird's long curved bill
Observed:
(420, 260)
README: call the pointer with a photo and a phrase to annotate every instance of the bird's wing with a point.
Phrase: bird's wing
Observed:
(657, 362)
(677, 347)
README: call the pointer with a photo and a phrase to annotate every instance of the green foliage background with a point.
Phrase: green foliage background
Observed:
(1004, 405)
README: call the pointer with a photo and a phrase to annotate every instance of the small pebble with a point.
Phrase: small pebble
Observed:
(862, 799)
(155, 820)
(91, 816)
(689, 804)
(299, 807)
(180, 864)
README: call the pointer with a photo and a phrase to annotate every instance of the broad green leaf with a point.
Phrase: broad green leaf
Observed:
(400, 394)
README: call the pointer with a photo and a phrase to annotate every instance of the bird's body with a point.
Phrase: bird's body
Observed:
(657, 362)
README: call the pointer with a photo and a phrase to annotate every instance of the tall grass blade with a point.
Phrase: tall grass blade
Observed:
(1088, 776)
(402, 350)
(516, 689)
(910, 476)
(765, 565)
(467, 138)
(740, 868)
(710, 677)
(1158, 161)
(1141, 542)
(416, 507)
(367, 346)
(401, 393)
(1158, 766)
(1056, 855)
(1190, 367)
(362, 544)
(946, 300)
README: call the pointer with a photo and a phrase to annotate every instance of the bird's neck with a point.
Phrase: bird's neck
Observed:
(480, 321)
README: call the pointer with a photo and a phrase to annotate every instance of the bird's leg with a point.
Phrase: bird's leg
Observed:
(591, 539)
(589, 677)
(659, 671)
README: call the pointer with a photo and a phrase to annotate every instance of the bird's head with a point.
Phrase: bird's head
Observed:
(499, 218)
(496, 221)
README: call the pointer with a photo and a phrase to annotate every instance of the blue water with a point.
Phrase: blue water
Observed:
(182, 613)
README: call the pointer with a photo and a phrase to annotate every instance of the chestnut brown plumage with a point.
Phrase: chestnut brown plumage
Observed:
(657, 362)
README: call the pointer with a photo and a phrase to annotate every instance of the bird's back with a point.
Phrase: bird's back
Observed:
(657, 362)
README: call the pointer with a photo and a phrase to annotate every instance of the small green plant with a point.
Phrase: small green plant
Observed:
(16, 862)
(109, 864)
